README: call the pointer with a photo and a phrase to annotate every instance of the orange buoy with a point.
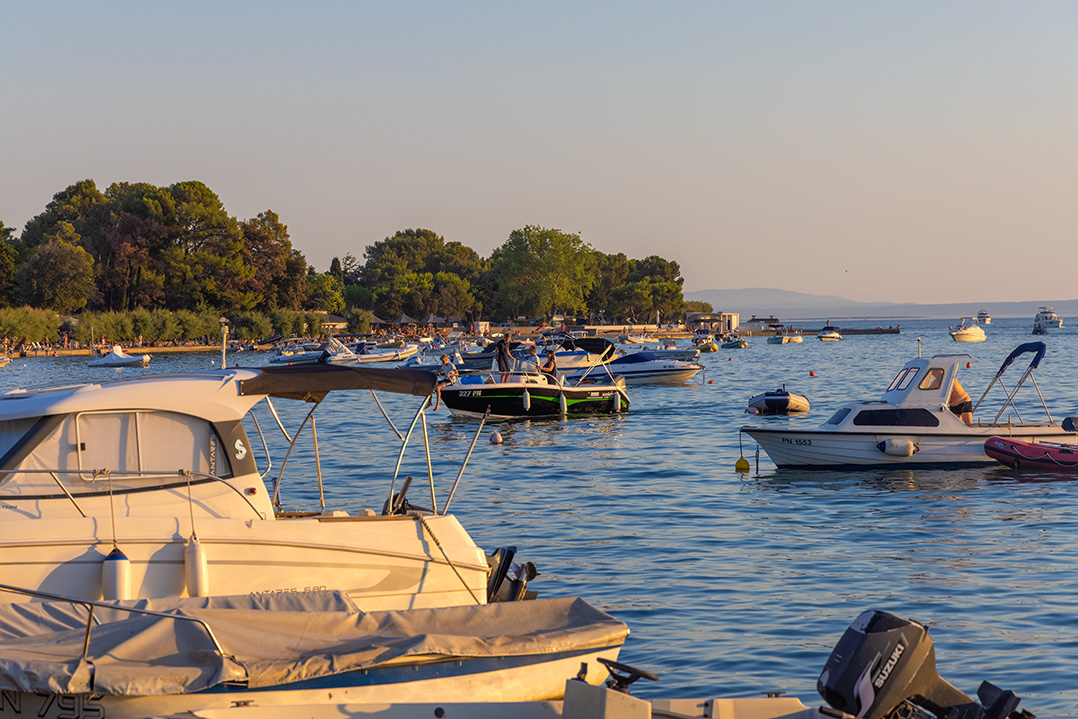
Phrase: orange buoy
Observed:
(711, 381)
(968, 365)
(729, 359)
(812, 373)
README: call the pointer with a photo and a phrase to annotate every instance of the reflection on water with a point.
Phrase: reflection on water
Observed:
(739, 583)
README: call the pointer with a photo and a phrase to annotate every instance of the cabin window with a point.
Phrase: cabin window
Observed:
(903, 378)
(154, 442)
(13, 430)
(932, 380)
(908, 379)
(838, 416)
(906, 417)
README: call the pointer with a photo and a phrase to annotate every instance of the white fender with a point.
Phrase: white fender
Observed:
(116, 576)
(195, 569)
(563, 406)
(896, 447)
(527, 401)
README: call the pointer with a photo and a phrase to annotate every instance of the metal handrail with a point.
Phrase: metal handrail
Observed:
(137, 474)
(91, 620)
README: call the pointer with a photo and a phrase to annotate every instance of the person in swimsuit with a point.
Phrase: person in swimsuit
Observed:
(960, 403)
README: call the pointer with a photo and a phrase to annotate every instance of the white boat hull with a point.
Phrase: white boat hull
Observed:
(816, 448)
(478, 681)
(380, 562)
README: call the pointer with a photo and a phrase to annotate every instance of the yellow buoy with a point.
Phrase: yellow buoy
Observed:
(742, 465)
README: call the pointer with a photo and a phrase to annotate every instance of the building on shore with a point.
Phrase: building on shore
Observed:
(715, 322)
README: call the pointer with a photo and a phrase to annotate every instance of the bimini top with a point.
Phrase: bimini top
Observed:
(216, 395)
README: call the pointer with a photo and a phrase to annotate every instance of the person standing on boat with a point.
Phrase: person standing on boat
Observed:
(502, 356)
(960, 403)
(447, 374)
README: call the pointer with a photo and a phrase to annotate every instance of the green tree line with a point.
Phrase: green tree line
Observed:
(138, 250)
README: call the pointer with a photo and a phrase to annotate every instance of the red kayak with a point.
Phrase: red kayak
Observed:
(1032, 455)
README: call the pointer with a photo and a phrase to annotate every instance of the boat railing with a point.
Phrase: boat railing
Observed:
(418, 420)
(107, 475)
(91, 620)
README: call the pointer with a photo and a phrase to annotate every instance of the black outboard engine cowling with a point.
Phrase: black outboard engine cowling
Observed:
(883, 663)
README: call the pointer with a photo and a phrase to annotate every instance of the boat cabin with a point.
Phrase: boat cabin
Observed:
(917, 397)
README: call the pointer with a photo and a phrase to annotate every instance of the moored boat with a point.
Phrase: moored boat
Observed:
(780, 401)
(913, 423)
(149, 488)
(285, 651)
(116, 357)
(734, 342)
(532, 395)
(639, 368)
(1047, 317)
(669, 350)
(1032, 455)
(983, 318)
(323, 660)
(829, 334)
(784, 335)
(967, 331)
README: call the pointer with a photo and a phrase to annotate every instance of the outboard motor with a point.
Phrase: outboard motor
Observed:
(884, 667)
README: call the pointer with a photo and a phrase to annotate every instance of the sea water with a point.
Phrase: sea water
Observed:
(734, 584)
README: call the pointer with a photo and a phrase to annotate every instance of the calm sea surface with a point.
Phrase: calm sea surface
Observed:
(733, 584)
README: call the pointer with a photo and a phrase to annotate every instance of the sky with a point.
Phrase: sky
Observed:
(901, 152)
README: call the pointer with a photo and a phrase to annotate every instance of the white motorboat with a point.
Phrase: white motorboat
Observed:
(320, 659)
(116, 357)
(912, 423)
(275, 652)
(1047, 317)
(668, 349)
(983, 318)
(638, 368)
(366, 352)
(829, 334)
(967, 331)
(296, 353)
(149, 488)
(785, 335)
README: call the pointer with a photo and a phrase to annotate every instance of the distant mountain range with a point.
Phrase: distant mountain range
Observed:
(786, 305)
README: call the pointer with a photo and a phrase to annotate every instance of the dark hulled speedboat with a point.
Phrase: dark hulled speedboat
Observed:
(532, 395)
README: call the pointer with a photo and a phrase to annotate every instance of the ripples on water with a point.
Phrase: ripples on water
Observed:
(733, 584)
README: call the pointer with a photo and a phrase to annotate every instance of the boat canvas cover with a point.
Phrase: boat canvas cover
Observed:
(269, 640)
(313, 382)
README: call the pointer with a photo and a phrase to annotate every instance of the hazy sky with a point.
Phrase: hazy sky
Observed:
(922, 151)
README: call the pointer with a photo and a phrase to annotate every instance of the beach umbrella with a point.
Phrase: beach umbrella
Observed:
(376, 320)
(432, 320)
(404, 320)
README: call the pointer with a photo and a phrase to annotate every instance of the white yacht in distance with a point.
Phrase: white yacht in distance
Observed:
(1047, 317)
(983, 318)
(829, 334)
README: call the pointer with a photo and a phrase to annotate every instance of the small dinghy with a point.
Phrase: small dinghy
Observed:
(118, 358)
(778, 402)
(1032, 455)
